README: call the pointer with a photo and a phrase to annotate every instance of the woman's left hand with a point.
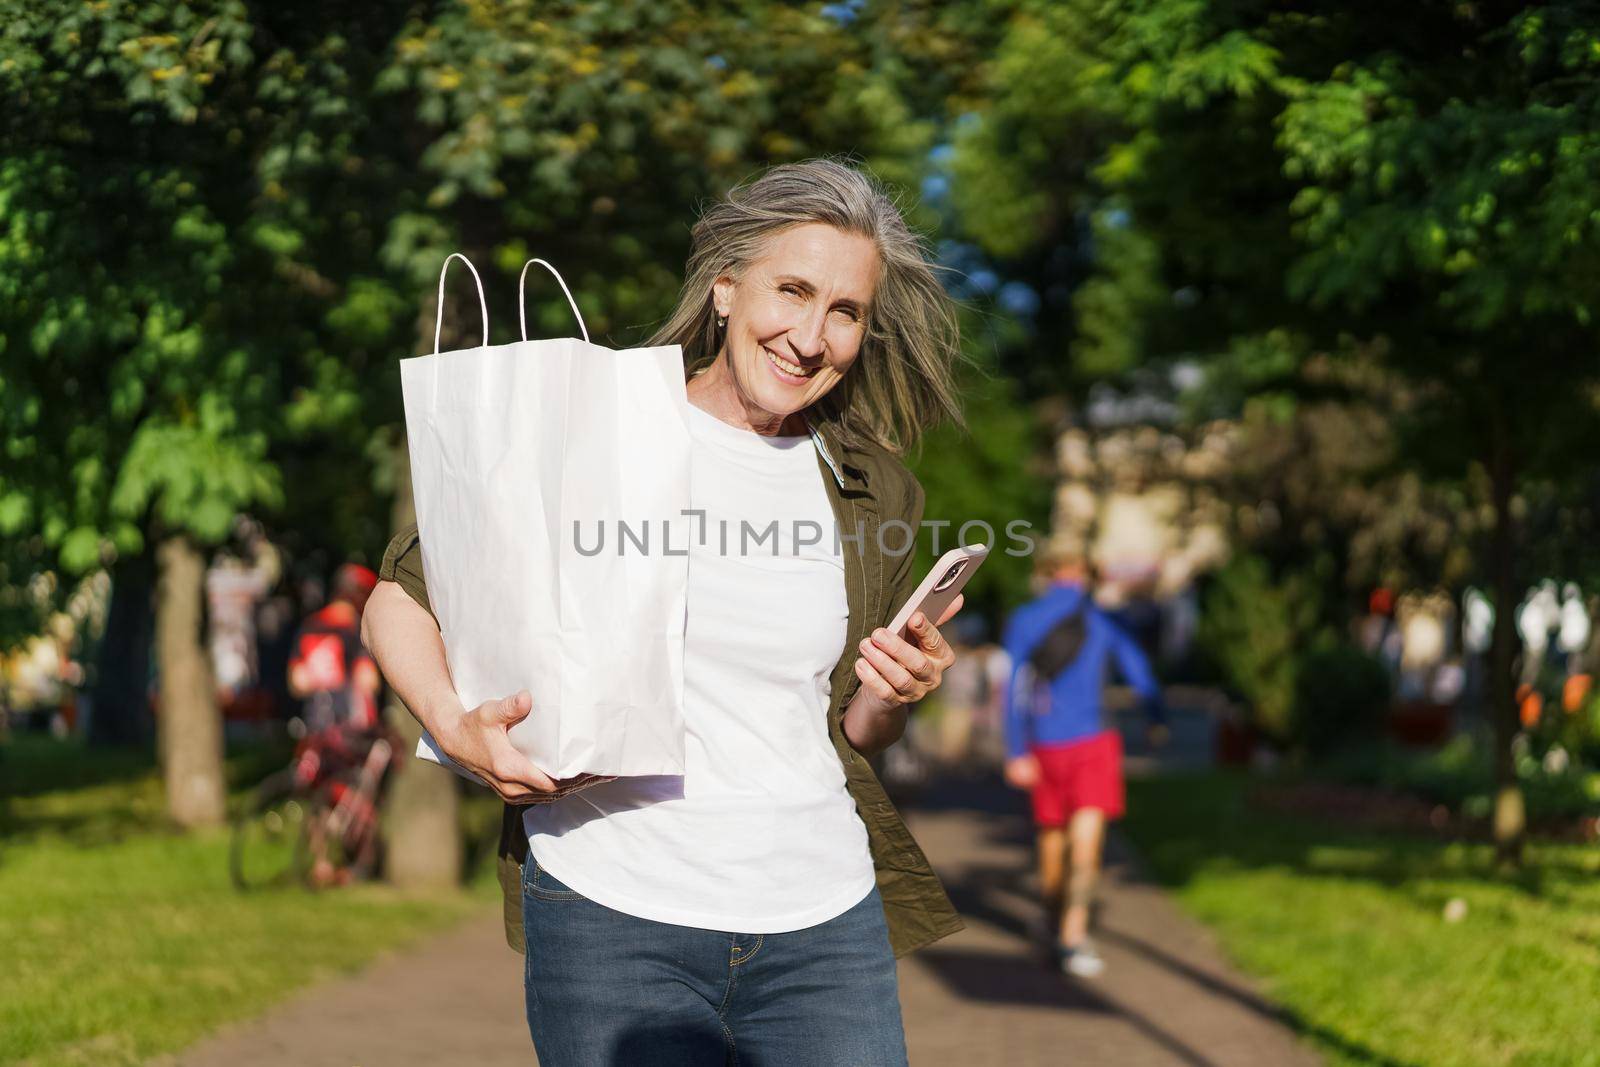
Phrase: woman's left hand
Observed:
(894, 671)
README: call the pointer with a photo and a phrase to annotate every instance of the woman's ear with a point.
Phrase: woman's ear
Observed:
(722, 295)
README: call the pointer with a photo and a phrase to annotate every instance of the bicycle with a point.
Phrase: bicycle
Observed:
(314, 823)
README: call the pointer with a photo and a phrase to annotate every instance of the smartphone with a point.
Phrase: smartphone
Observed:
(940, 587)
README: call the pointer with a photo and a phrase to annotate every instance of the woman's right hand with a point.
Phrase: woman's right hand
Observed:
(478, 741)
(404, 639)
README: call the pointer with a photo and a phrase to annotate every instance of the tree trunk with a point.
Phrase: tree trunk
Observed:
(189, 724)
(422, 825)
(120, 695)
(1510, 813)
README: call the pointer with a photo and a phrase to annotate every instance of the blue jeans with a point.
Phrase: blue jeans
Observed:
(607, 988)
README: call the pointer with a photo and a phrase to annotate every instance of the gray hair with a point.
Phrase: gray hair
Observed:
(902, 383)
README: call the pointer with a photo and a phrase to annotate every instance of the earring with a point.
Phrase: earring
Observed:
(722, 320)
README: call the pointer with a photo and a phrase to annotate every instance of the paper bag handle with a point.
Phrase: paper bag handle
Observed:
(522, 311)
(483, 305)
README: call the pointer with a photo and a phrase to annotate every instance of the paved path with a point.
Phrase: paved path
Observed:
(983, 997)
(457, 1000)
(980, 997)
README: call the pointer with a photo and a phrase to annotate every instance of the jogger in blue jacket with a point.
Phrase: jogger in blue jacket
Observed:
(1062, 747)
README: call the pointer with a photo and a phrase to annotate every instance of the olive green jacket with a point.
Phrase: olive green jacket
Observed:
(867, 487)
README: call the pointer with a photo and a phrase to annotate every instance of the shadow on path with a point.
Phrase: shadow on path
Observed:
(1166, 997)
(1001, 978)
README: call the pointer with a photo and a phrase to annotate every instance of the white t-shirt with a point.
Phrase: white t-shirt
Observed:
(759, 834)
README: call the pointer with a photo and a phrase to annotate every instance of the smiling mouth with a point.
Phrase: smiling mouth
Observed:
(789, 368)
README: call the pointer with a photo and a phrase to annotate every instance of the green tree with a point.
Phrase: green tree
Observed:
(991, 480)
(1268, 185)
(133, 410)
(224, 224)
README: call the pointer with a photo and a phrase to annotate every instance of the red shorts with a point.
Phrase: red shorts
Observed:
(1086, 773)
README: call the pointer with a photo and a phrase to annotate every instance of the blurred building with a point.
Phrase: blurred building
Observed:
(1143, 500)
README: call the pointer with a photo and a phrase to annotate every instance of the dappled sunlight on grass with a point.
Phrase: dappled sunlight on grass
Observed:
(126, 939)
(1349, 929)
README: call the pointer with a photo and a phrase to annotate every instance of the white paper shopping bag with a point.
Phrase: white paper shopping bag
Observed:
(547, 475)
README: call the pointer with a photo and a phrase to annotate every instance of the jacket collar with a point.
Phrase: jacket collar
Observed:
(835, 453)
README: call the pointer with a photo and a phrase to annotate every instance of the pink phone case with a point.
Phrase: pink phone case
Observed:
(940, 587)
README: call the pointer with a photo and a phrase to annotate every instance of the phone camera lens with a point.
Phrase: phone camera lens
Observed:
(955, 572)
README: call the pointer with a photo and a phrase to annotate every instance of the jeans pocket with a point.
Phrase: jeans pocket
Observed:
(538, 882)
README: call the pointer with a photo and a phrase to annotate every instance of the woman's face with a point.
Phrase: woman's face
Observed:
(797, 318)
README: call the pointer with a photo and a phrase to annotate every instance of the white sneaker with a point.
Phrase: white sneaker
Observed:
(1082, 960)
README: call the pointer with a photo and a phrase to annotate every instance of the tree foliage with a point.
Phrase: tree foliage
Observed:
(223, 222)
(1266, 186)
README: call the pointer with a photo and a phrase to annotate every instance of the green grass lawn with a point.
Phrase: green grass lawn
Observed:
(1347, 930)
(121, 939)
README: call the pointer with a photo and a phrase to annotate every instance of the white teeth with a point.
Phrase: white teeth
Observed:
(785, 366)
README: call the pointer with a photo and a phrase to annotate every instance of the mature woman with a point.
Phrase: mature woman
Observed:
(751, 909)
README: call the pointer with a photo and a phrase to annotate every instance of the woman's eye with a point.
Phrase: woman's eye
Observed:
(791, 289)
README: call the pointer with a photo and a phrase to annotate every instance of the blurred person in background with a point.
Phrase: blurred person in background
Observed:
(331, 671)
(963, 694)
(1062, 745)
(989, 741)
(329, 668)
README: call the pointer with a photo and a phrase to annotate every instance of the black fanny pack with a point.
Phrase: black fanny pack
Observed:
(1061, 646)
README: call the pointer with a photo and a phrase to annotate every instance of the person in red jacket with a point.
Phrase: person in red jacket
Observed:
(329, 668)
(331, 671)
